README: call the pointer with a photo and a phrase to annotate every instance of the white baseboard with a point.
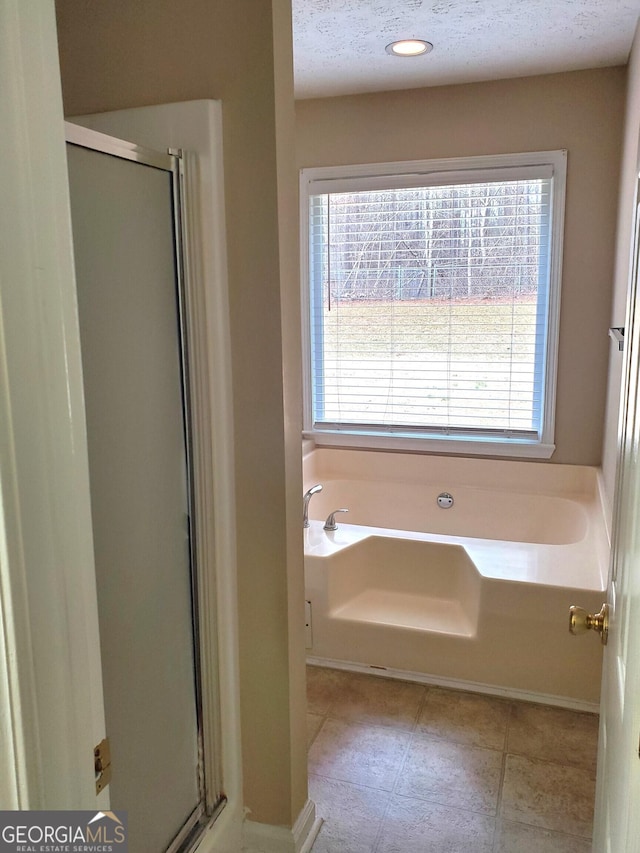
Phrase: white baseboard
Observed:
(459, 684)
(264, 838)
(306, 828)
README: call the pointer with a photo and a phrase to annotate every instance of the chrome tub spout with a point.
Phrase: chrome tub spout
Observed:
(305, 503)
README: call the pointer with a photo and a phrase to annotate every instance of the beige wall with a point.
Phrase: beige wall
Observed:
(581, 111)
(123, 54)
(289, 245)
(628, 182)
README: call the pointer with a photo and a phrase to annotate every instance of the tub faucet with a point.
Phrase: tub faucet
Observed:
(305, 503)
(330, 523)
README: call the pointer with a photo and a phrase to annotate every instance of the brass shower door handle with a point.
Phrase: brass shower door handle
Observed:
(580, 621)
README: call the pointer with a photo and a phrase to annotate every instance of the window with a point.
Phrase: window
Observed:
(432, 294)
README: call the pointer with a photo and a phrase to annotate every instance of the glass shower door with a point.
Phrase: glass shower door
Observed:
(123, 230)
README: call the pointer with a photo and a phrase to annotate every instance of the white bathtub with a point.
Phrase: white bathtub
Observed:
(476, 595)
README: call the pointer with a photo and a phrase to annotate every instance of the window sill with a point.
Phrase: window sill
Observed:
(518, 448)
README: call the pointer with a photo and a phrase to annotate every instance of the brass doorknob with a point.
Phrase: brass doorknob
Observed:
(581, 621)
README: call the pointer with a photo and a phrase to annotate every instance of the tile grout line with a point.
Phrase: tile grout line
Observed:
(325, 717)
(350, 783)
(393, 793)
(497, 828)
(328, 716)
(535, 760)
(315, 737)
(412, 731)
(411, 734)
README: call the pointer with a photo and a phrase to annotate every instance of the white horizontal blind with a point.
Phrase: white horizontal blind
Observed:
(429, 307)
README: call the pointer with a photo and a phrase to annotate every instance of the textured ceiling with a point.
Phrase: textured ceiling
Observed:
(339, 45)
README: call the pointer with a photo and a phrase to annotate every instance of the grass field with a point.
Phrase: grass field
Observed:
(444, 363)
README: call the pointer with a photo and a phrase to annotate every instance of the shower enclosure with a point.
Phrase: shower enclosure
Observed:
(127, 231)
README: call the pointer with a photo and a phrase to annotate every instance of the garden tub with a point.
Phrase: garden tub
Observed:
(474, 594)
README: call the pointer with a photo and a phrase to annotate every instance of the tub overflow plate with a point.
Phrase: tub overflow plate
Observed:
(445, 500)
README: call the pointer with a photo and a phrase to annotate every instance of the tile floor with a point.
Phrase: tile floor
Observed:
(398, 767)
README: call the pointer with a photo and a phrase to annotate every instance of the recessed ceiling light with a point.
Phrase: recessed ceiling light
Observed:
(409, 47)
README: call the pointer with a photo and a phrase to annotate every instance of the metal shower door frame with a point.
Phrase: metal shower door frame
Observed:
(212, 801)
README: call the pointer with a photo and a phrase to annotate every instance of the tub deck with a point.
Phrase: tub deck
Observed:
(579, 565)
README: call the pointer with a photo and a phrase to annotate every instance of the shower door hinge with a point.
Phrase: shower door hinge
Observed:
(102, 764)
(617, 333)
